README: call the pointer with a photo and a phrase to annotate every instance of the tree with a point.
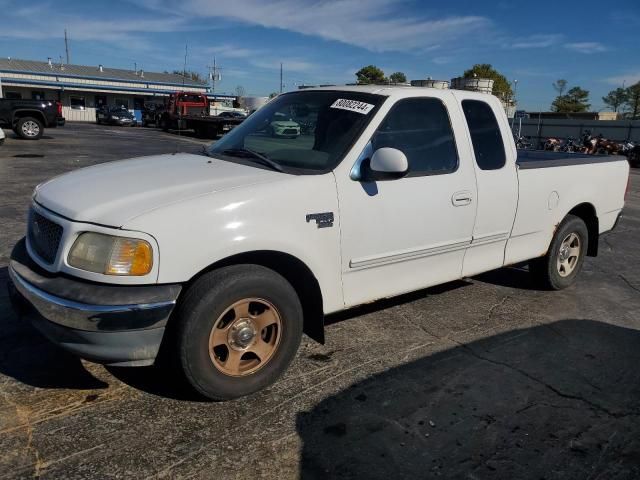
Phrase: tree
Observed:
(190, 74)
(240, 91)
(501, 86)
(633, 101)
(616, 98)
(398, 77)
(273, 94)
(559, 86)
(370, 75)
(574, 101)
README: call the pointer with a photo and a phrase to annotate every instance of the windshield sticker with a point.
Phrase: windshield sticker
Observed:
(352, 106)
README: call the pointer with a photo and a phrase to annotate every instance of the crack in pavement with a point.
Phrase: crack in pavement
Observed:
(629, 284)
(556, 391)
(23, 414)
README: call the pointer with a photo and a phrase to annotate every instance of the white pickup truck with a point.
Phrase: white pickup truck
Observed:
(224, 259)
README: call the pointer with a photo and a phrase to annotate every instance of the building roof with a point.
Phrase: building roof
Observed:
(93, 72)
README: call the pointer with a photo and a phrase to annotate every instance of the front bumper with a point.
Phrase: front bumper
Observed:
(110, 324)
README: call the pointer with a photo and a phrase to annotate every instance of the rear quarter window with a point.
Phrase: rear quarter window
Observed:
(485, 135)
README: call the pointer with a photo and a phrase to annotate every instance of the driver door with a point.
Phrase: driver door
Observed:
(405, 234)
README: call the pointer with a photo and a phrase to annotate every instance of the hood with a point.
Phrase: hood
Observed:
(285, 123)
(112, 193)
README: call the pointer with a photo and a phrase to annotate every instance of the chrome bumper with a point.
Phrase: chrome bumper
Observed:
(88, 317)
(112, 324)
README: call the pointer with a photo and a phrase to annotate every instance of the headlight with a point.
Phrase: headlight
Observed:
(99, 253)
(115, 118)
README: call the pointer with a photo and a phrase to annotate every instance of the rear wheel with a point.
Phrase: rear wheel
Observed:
(239, 330)
(29, 128)
(559, 268)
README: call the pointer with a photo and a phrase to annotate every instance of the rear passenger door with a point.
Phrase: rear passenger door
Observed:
(405, 234)
(497, 182)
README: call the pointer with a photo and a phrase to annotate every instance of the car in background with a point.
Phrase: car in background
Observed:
(2, 136)
(284, 128)
(238, 115)
(115, 116)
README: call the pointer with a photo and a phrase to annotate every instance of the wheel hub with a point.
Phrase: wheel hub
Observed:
(241, 334)
(245, 337)
(564, 253)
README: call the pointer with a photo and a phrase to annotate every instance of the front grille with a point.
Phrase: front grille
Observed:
(290, 131)
(44, 236)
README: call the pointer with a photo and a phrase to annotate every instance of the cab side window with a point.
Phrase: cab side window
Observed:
(485, 135)
(421, 129)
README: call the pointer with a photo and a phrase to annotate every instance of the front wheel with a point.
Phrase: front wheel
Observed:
(559, 268)
(239, 329)
(29, 128)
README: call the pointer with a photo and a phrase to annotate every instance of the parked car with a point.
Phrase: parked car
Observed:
(115, 116)
(228, 114)
(227, 257)
(29, 118)
(284, 128)
(2, 136)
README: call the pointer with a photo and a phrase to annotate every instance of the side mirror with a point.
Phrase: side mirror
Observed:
(385, 164)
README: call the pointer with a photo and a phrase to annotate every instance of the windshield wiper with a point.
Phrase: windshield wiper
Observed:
(205, 151)
(262, 159)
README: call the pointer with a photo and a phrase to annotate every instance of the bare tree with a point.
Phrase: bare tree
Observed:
(240, 91)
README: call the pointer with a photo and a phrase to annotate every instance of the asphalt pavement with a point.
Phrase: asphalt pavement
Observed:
(482, 378)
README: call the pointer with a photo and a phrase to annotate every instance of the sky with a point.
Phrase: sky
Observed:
(594, 45)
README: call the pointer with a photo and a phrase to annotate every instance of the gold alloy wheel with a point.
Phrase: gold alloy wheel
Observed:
(568, 255)
(245, 337)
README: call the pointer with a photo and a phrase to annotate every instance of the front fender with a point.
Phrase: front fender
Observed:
(201, 231)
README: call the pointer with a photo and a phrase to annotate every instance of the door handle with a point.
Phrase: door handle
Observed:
(460, 199)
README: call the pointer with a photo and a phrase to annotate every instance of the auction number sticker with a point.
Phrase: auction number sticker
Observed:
(352, 106)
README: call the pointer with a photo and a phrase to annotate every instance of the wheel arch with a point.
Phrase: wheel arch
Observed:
(295, 271)
(587, 212)
(38, 115)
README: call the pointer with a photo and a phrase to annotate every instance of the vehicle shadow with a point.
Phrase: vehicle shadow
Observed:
(28, 357)
(553, 401)
(511, 277)
(160, 380)
(393, 301)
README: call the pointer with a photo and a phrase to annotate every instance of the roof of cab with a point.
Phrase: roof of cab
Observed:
(400, 90)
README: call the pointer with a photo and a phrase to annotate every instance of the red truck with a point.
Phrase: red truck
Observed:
(190, 111)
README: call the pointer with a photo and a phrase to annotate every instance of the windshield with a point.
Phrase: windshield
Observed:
(301, 132)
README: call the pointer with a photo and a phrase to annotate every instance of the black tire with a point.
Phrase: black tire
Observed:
(29, 128)
(546, 271)
(205, 302)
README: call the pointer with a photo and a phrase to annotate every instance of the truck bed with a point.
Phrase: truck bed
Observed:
(541, 159)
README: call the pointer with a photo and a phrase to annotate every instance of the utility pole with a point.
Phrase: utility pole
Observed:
(66, 44)
(184, 67)
(214, 76)
(515, 101)
(281, 84)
